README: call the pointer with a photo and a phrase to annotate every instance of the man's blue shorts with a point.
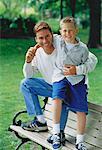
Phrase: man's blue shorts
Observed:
(75, 96)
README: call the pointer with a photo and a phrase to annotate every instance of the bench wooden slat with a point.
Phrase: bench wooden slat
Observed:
(96, 107)
(94, 124)
(89, 139)
(92, 106)
(72, 120)
(93, 136)
(89, 146)
(72, 131)
(94, 114)
(39, 138)
(33, 136)
(94, 141)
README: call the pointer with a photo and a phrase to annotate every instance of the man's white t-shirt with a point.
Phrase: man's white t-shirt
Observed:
(45, 63)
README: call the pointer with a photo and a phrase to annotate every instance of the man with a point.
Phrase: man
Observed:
(42, 60)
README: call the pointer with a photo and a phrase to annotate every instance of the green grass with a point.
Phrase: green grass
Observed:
(12, 53)
(11, 61)
(95, 80)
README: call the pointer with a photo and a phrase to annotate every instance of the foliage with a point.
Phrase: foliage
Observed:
(81, 6)
(40, 8)
(2, 8)
(54, 23)
(14, 8)
(51, 9)
(17, 27)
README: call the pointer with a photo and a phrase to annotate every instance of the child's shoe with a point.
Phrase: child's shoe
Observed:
(50, 138)
(56, 144)
(81, 146)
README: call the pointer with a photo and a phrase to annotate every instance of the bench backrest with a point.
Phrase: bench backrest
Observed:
(93, 129)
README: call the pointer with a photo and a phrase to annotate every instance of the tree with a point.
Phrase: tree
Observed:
(73, 4)
(95, 23)
(61, 9)
(13, 8)
(70, 4)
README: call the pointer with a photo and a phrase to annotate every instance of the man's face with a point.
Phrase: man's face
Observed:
(44, 38)
(68, 32)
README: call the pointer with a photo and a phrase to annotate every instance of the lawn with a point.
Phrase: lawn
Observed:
(12, 53)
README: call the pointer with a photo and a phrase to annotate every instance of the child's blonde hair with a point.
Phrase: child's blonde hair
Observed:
(68, 19)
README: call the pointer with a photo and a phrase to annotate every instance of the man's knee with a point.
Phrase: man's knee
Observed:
(23, 84)
(28, 83)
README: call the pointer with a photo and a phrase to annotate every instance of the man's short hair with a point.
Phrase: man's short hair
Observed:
(41, 25)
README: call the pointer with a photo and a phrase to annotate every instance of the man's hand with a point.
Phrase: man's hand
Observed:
(31, 53)
(69, 70)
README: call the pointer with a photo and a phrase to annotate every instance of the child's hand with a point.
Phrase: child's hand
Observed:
(31, 53)
(69, 70)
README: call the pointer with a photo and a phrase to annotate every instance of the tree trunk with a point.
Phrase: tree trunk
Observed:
(95, 23)
(73, 3)
(61, 9)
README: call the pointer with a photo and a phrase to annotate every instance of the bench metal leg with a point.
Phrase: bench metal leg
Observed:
(19, 146)
(23, 141)
(19, 122)
(43, 148)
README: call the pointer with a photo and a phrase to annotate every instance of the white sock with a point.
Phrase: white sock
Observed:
(79, 138)
(56, 128)
(41, 118)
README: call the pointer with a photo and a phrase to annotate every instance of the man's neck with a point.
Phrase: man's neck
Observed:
(49, 50)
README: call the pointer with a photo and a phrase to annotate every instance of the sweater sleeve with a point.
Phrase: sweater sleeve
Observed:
(29, 69)
(88, 66)
(85, 54)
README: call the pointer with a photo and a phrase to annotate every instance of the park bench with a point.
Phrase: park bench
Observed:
(93, 135)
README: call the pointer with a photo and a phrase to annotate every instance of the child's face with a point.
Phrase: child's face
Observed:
(68, 32)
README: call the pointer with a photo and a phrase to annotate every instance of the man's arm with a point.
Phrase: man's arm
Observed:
(28, 69)
(31, 53)
(85, 68)
(88, 66)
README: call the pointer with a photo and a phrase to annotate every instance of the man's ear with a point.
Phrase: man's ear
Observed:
(35, 39)
(60, 31)
(77, 30)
